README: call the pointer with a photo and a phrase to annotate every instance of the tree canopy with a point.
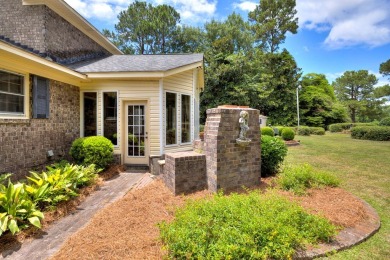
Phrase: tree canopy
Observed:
(384, 68)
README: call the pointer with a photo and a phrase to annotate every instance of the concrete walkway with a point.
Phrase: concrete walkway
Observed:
(58, 232)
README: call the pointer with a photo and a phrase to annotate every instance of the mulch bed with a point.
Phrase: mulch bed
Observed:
(10, 242)
(127, 229)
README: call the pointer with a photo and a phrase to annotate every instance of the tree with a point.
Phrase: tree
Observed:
(355, 89)
(145, 29)
(317, 102)
(384, 68)
(271, 20)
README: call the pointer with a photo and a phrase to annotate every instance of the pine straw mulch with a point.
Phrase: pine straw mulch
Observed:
(10, 242)
(127, 229)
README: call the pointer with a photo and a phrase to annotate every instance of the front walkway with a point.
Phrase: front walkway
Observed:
(58, 232)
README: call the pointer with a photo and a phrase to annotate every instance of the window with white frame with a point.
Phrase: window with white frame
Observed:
(177, 118)
(12, 93)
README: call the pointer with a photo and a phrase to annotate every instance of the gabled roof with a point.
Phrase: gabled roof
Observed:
(73, 17)
(137, 63)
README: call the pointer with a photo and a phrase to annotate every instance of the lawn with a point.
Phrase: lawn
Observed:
(364, 168)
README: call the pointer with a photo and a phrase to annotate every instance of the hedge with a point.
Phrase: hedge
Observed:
(267, 131)
(374, 133)
(288, 134)
(385, 121)
(334, 128)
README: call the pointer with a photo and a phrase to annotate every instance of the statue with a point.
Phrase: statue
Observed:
(243, 121)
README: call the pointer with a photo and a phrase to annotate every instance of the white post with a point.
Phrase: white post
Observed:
(298, 104)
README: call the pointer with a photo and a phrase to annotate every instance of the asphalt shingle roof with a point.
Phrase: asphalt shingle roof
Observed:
(137, 63)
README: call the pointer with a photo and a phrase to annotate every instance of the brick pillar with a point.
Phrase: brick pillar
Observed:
(229, 165)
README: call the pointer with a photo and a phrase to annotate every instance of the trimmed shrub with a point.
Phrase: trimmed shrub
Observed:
(288, 134)
(267, 131)
(374, 133)
(385, 121)
(273, 152)
(302, 177)
(334, 128)
(303, 130)
(317, 130)
(96, 150)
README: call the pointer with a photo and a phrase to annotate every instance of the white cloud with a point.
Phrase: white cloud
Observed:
(247, 6)
(349, 22)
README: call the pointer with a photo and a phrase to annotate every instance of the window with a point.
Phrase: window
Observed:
(110, 116)
(89, 114)
(170, 124)
(185, 118)
(11, 93)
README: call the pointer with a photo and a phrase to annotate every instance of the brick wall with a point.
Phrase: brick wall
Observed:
(24, 143)
(185, 172)
(40, 28)
(230, 166)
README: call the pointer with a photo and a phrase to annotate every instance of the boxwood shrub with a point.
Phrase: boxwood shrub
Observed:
(267, 131)
(375, 133)
(96, 150)
(273, 152)
(385, 121)
(288, 134)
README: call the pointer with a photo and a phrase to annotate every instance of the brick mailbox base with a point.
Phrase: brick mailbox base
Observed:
(219, 162)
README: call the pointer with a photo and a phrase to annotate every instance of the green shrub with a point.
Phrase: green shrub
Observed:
(278, 130)
(96, 150)
(317, 130)
(385, 121)
(59, 183)
(288, 134)
(17, 210)
(303, 130)
(267, 131)
(242, 226)
(302, 177)
(273, 151)
(375, 133)
(201, 128)
(334, 128)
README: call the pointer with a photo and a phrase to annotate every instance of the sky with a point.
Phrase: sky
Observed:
(334, 36)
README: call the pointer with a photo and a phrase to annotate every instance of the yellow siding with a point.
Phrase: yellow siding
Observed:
(131, 91)
(180, 82)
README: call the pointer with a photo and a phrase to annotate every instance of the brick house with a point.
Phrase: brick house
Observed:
(60, 79)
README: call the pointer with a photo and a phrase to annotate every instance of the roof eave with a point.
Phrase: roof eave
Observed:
(69, 14)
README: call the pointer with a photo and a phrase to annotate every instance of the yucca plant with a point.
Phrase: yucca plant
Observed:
(17, 209)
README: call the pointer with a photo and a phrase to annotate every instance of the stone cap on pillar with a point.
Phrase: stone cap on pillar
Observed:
(227, 108)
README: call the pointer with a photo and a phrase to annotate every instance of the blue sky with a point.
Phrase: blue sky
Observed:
(334, 35)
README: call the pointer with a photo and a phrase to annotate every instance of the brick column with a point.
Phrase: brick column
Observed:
(229, 165)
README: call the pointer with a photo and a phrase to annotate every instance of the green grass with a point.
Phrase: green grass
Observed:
(364, 170)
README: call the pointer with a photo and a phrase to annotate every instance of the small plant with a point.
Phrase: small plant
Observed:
(385, 121)
(96, 150)
(273, 152)
(242, 226)
(17, 210)
(266, 130)
(302, 177)
(288, 134)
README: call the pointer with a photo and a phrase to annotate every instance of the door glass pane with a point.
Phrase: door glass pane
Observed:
(185, 118)
(170, 124)
(136, 128)
(90, 113)
(110, 116)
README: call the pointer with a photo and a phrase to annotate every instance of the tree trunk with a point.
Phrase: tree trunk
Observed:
(353, 115)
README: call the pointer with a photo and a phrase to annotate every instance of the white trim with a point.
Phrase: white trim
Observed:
(161, 113)
(26, 98)
(117, 116)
